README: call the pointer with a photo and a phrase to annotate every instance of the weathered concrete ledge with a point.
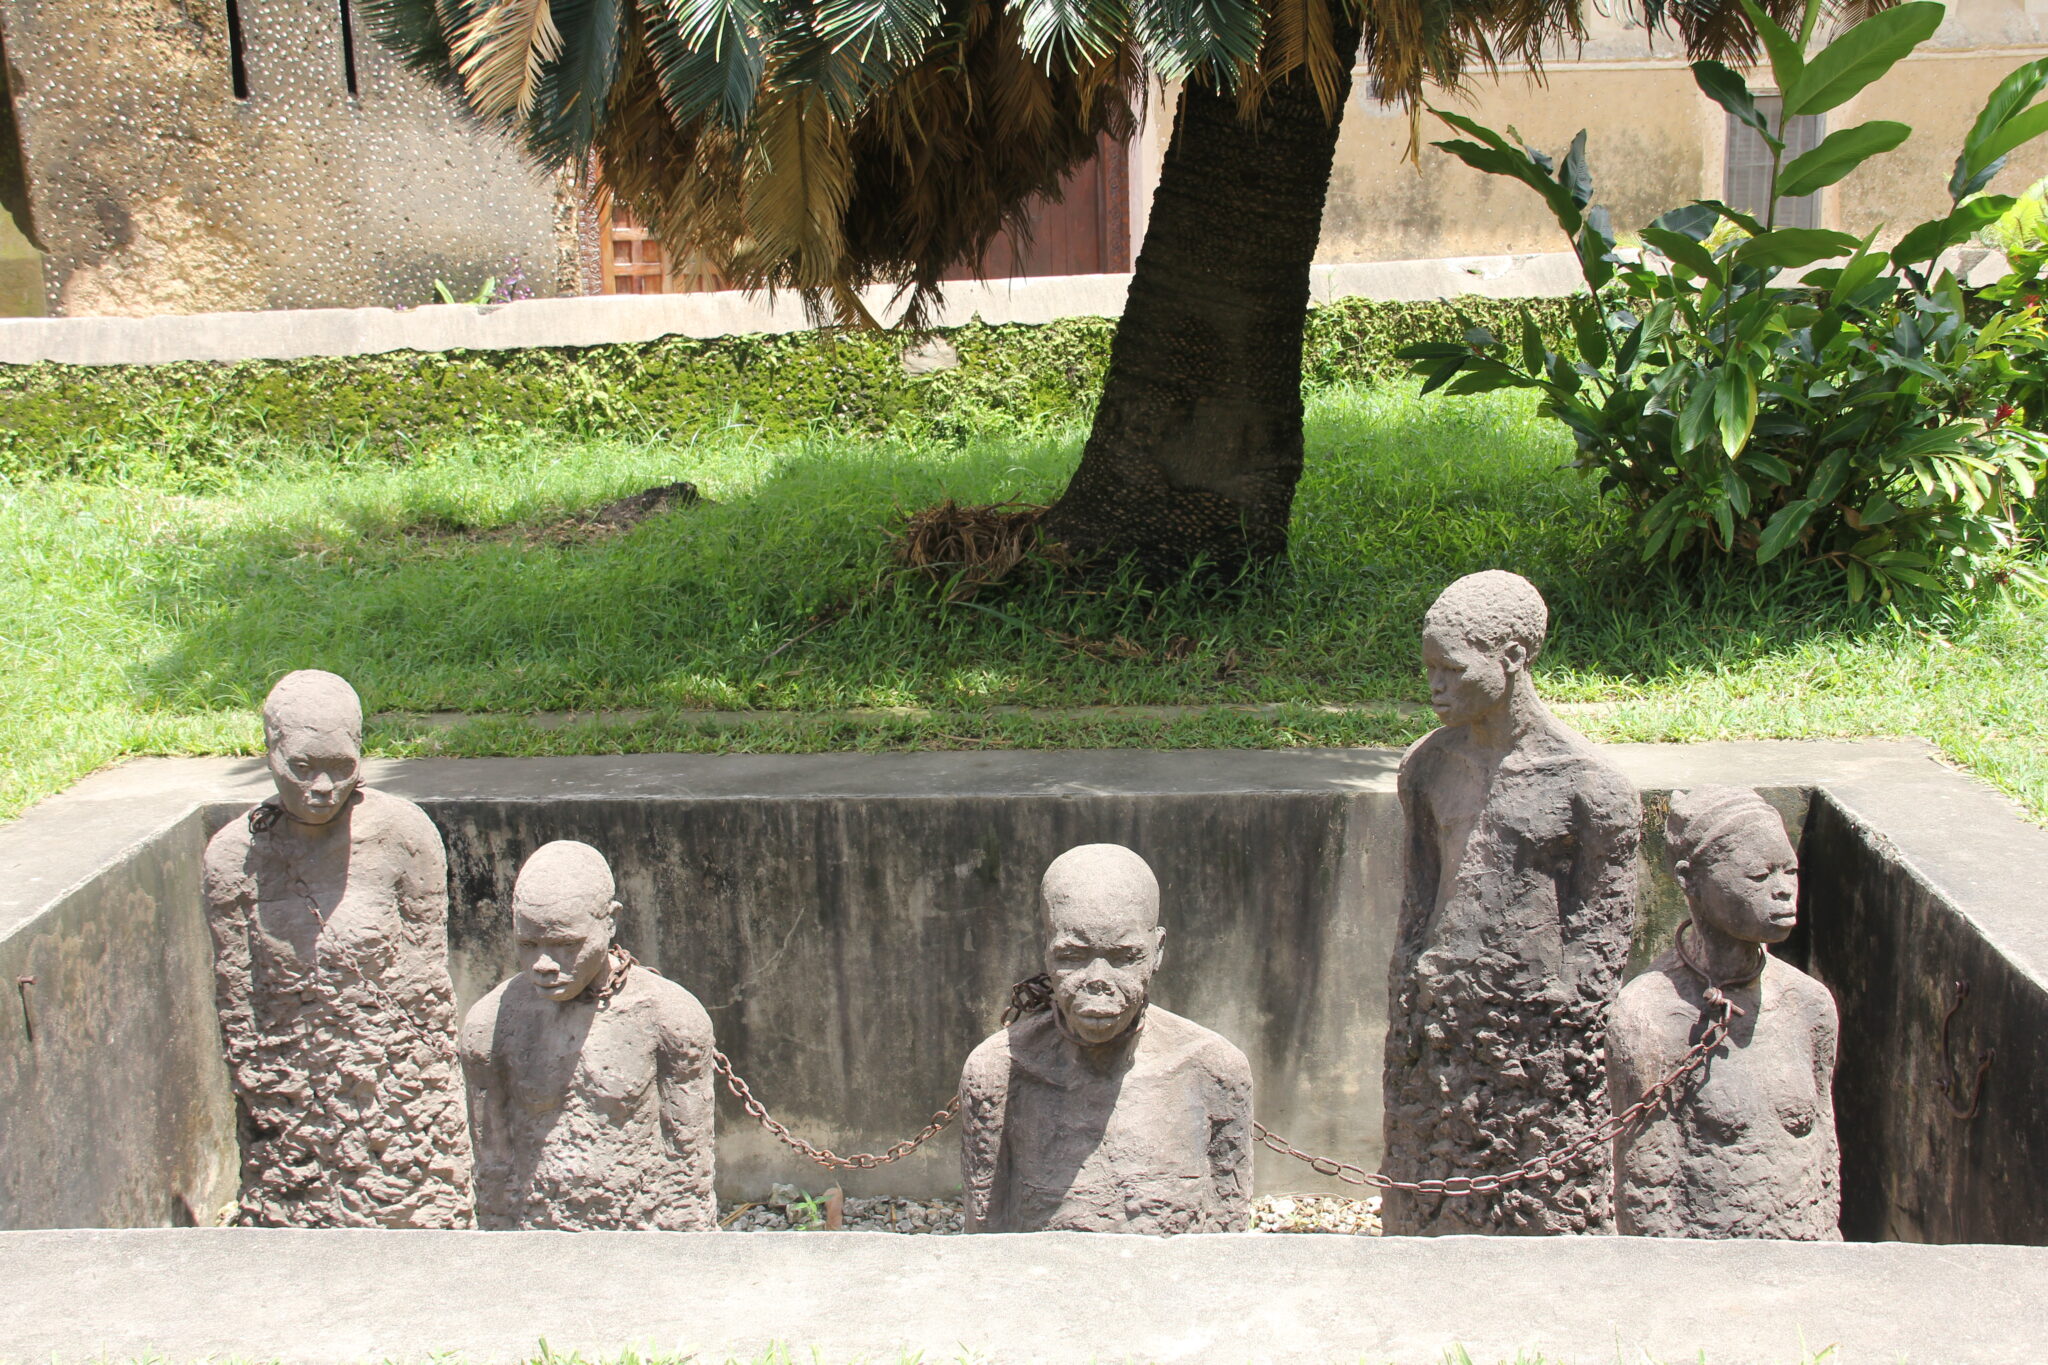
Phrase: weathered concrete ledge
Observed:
(338, 1298)
(598, 321)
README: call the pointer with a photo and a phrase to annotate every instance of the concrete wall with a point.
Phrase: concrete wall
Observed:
(157, 190)
(1655, 142)
(114, 1104)
(21, 274)
(1892, 947)
(853, 924)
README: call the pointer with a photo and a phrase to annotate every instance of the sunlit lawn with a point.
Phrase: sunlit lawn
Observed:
(149, 618)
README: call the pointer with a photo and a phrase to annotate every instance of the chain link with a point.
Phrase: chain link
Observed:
(1549, 1163)
(1026, 997)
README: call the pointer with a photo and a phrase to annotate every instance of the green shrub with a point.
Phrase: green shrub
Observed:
(126, 421)
(1870, 419)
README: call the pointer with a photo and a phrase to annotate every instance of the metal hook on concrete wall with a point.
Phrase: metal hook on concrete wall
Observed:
(28, 1023)
(1950, 1082)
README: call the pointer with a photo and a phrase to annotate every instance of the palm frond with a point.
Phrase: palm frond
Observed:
(501, 52)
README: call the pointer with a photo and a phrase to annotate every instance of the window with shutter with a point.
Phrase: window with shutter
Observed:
(1746, 179)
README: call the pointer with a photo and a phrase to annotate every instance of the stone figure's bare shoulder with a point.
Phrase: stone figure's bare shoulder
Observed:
(1654, 1008)
(684, 1020)
(480, 1026)
(1426, 755)
(1576, 760)
(987, 1071)
(226, 870)
(1172, 1037)
(1801, 995)
(380, 815)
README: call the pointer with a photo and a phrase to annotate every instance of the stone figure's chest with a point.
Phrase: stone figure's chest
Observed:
(555, 1064)
(1149, 1125)
(1762, 1094)
(310, 910)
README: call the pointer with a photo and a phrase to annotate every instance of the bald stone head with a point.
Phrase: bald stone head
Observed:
(1735, 863)
(313, 738)
(1478, 642)
(562, 917)
(1102, 939)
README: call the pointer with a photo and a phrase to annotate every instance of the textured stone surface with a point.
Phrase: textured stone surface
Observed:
(1515, 921)
(329, 919)
(157, 190)
(1103, 1112)
(1746, 1146)
(491, 1298)
(590, 1087)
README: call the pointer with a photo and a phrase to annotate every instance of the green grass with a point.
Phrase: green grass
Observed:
(150, 615)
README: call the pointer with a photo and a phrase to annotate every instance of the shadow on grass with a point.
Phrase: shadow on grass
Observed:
(778, 596)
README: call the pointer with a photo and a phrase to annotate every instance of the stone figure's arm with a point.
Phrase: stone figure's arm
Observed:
(1230, 1139)
(422, 879)
(684, 1077)
(1602, 896)
(489, 1129)
(1826, 1033)
(984, 1094)
(230, 900)
(1421, 856)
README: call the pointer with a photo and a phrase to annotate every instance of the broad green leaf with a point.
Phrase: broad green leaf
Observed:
(1432, 350)
(1532, 346)
(2021, 128)
(1727, 89)
(1575, 175)
(1444, 373)
(1787, 66)
(1937, 235)
(1591, 334)
(1784, 528)
(1838, 154)
(1861, 270)
(1699, 410)
(1683, 251)
(1931, 441)
(1517, 164)
(1735, 408)
(1861, 55)
(1790, 248)
(1746, 222)
(1472, 127)
(1696, 221)
(1974, 168)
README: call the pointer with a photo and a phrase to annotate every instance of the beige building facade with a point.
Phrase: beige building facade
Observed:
(1654, 142)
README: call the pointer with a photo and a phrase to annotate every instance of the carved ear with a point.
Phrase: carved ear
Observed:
(1158, 946)
(1681, 871)
(1515, 655)
(611, 910)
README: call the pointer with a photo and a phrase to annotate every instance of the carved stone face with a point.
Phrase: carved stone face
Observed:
(1746, 883)
(563, 938)
(316, 770)
(1467, 680)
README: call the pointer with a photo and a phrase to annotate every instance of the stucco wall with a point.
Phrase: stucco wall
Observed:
(157, 190)
(1655, 142)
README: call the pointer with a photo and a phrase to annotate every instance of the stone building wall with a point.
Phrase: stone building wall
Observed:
(1655, 142)
(159, 187)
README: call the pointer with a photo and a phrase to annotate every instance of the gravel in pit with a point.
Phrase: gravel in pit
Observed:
(786, 1208)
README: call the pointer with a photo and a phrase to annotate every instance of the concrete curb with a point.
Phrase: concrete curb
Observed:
(334, 1298)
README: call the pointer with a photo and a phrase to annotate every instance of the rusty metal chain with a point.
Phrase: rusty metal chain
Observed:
(1536, 1167)
(1026, 997)
(1035, 993)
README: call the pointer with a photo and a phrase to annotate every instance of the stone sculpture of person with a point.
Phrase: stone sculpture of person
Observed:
(1745, 1147)
(1102, 1112)
(1517, 908)
(328, 907)
(590, 1078)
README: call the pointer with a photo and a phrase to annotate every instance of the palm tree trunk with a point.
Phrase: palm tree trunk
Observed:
(1196, 446)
